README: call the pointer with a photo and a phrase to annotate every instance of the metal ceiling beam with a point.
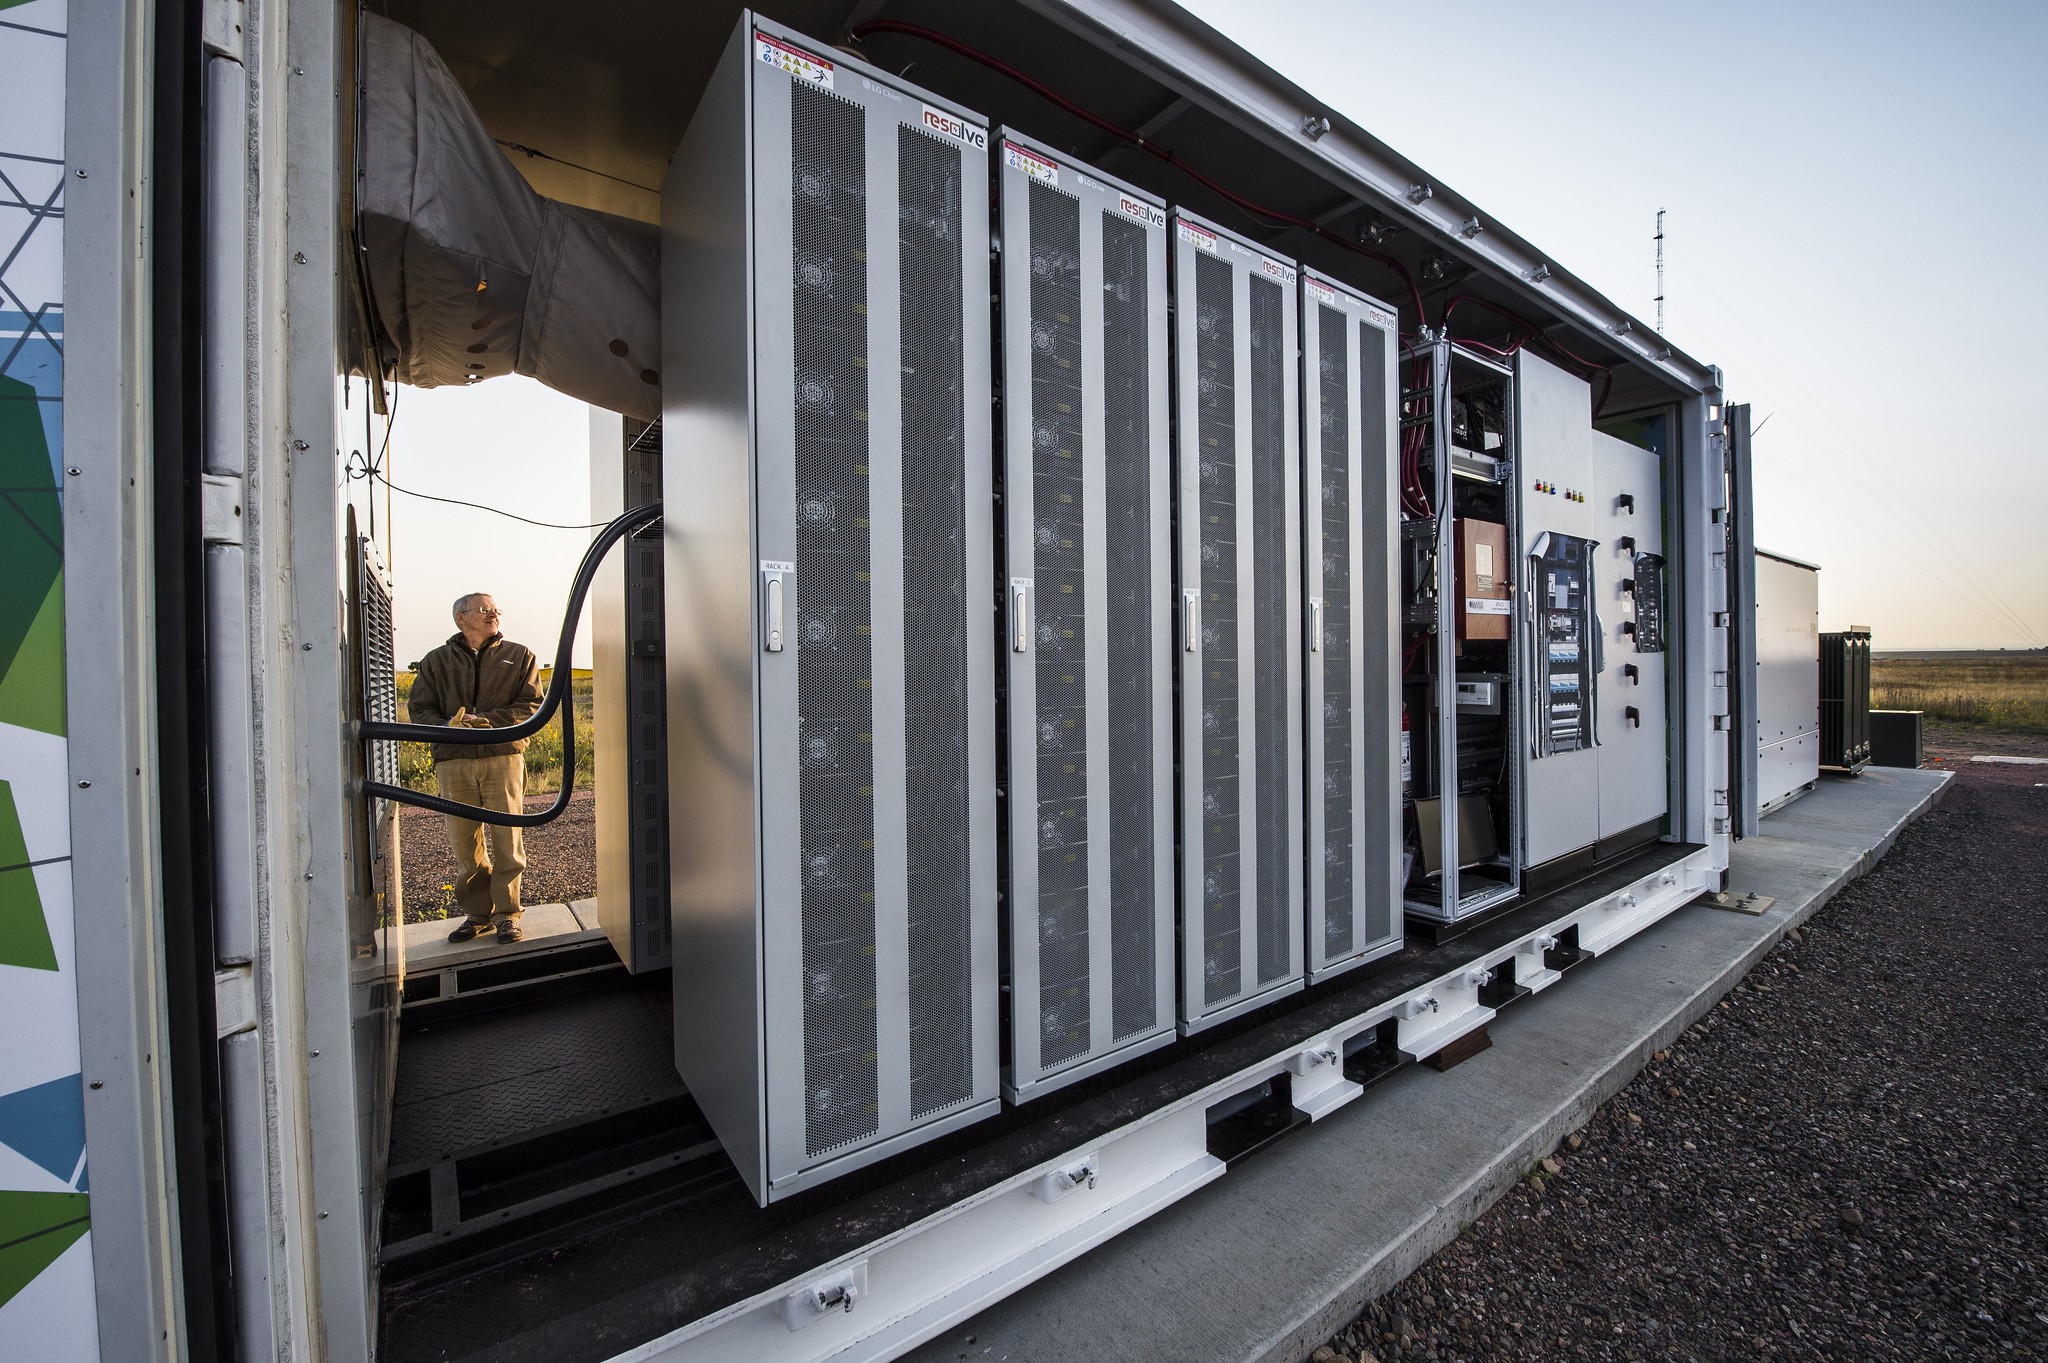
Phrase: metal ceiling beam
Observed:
(1208, 70)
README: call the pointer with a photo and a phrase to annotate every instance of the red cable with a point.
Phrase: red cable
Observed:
(1248, 205)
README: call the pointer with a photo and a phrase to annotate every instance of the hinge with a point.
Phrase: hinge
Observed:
(220, 28)
(220, 509)
(814, 1301)
(1057, 1183)
(234, 1001)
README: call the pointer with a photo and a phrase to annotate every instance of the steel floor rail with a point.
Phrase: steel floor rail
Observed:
(927, 1239)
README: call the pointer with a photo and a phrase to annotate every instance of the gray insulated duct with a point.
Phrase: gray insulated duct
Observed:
(473, 274)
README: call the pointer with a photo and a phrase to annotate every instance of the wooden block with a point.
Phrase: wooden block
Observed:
(1461, 1050)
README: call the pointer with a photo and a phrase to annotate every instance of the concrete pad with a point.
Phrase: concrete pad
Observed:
(585, 911)
(1270, 1260)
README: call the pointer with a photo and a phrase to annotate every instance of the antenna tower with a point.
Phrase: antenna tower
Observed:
(1660, 272)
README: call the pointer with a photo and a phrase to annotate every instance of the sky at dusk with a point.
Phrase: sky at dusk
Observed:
(1853, 196)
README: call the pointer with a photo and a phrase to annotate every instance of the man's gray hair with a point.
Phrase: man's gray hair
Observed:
(462, 601)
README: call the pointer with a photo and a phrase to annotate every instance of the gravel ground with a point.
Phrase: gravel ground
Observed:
(561, 858)
(1848, 1158)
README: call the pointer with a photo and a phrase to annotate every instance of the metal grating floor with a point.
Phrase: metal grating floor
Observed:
(463, 1084)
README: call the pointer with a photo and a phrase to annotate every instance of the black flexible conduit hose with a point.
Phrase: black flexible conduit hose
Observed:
(372, 730)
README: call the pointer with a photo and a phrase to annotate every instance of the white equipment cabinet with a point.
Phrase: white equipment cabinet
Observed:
(1787, 679)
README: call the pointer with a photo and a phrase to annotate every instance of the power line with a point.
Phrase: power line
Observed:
(538, 154)
(378, 476)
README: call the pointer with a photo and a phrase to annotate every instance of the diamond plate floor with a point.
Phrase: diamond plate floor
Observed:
(466, 1083)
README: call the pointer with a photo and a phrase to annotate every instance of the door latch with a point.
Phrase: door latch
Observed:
(1020, 614)
(774, 578)
(1191, 620)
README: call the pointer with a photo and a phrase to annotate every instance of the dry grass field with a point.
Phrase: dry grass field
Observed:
(2004, 691)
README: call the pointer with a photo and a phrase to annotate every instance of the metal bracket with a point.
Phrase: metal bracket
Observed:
(819, 1299)
(1479, 977)
(1742, 901)
(234, 1001)
(1415, 1008)
(1056, 1184)
(220, 509)
(1315, 1057)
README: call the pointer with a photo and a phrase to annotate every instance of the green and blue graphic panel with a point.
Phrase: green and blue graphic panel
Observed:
(46, 1276)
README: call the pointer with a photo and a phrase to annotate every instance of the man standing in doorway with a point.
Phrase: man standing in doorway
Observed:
(481, 680)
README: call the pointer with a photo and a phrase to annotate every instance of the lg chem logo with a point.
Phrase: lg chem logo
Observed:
(949, 125)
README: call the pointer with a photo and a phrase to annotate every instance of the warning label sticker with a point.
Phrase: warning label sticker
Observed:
(1142, 211)
(1031, 163)
(1198, 236)
(794, 62)
(1322, 293)
(954, 126)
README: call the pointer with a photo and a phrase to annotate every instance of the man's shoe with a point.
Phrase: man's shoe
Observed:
(469, 931)
(509, 932)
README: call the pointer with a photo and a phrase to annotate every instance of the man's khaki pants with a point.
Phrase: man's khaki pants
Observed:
(487, 887)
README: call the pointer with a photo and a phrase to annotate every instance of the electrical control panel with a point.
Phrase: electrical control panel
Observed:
(1567, 642)
(1593, 515)
(1646, 597)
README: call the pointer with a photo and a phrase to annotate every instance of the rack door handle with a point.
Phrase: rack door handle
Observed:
(1191, 621)
(1315, 624)
(772, 593)
(1020, 614)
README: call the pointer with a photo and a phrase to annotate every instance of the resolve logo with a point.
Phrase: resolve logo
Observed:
(950, 125)
(1143, 212)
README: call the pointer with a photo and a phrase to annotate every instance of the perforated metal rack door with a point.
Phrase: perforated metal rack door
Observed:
(1353, 805)
(1238, 484)
(1217, 538)
(835, 782)
(1085, 471)
(1278, 872)
(1335, 435)
(1061, 630)
(1133, 337)
(935, 595)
